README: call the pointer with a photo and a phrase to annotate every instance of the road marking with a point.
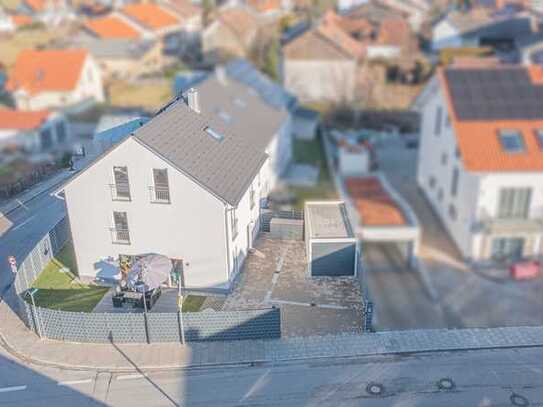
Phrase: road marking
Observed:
(13, 388)
(261, 381)
(20, 225)
(70, 382)
(130, 377)
(22, 204)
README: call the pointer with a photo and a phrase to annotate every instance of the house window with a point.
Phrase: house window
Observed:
(234, 223)
(514, 203)
(440, 194)
(511, 141)
(507, 248)
(46, 139)
(120, 233)
(539, 137)
(120, 190)
(60, 129)
(160, 191)
(437, 126)
(452, 212)
(454, 182)
(444, 158)
(432, 181)
(216, 135)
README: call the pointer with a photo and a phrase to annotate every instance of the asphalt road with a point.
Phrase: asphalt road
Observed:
(478, 378)
(23, 228)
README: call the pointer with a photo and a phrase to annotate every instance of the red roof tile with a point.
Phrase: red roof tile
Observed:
(111, 27)
(22, 120)
(150, 15)
(46, 70)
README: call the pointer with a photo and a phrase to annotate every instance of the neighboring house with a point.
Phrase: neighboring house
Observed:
(122, 57)
(481, 158)
(189, 13)
(480, 27)
(43, 79)
(184, 185)
(49, 12)
(112, 129)
(112, 27)
(232, 33)
(33, 131)
(152, 19)
(9, 23)
(321, 64)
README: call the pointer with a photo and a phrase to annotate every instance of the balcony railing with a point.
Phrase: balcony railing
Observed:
(120, 236)
(120, 192)
(159, 194)
(493, 225)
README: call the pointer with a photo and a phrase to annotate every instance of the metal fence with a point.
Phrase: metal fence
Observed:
(131, 327)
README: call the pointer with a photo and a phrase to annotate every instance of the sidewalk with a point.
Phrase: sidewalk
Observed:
(22, 343)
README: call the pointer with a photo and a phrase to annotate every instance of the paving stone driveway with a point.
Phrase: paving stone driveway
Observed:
(309, 305)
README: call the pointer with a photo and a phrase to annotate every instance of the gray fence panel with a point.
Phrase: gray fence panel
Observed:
(164, 327)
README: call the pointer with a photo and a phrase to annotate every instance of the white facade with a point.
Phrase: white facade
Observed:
(353, 161)
(312, 80)
(445, 35)
(32, 141)
(88, 88)
(6, 23)
(469, 211)
(195, 226)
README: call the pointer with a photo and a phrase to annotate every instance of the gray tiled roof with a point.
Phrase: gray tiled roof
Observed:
(241, 110)
(225, 167)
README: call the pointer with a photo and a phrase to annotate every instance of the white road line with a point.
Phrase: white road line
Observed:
(13, 388)
(130, 377)
(306, 304)
(20, 225)
(70, 382)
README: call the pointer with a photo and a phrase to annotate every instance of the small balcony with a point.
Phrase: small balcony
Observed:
(159, 194)
(120, 236)
(120, 192)
(494, 225)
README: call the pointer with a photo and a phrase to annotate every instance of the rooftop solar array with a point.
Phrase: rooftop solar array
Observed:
(494, 94)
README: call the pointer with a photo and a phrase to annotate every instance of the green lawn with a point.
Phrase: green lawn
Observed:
(193, 303)
(312, 152)
(60, 290)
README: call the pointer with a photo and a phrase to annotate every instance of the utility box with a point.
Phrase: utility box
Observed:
(331, 247)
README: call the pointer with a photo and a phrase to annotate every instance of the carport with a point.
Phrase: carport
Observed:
(383, 216)
(331, 246)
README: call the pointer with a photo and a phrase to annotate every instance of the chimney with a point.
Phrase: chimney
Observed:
(220, 72)
(192, 100)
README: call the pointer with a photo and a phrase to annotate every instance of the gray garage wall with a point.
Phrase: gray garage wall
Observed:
(332, 259)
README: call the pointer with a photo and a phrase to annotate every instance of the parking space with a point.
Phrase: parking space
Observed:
(276, 274)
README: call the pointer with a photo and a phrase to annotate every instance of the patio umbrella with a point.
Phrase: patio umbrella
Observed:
(148, 272)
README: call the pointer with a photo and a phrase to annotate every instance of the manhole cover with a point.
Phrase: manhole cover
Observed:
(375, 389)
(446, 384)
(518, 400)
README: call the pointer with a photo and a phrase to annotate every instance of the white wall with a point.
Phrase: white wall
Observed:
(320, 80)
(191, 228)
(383, 51)
(444, 35)
(431, 163)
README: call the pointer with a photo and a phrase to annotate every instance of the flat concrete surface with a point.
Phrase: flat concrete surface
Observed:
(478, 378)
(310, 306)
(465, 296)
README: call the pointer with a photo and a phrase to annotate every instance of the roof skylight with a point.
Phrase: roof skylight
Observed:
(216, 135)
(511, 141)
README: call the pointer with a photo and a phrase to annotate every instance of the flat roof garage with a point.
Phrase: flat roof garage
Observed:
(332, 248)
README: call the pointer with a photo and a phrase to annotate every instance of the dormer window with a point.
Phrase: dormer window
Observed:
(511, 141)
(539, 137)
(216, 135)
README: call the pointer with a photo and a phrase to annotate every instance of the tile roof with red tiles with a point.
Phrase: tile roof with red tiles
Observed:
(47, 70)
(482, 102)
(111, 27)
(22, 120)
(394, 31)
(373, 203)
(21, 20)
(265, 6)
(150, 15)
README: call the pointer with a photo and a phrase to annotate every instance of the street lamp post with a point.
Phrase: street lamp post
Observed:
(35, 314)
(180, 305)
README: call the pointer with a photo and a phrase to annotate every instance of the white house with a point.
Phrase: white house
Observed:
(187, 184)
(481, 158)
(44, 79)
(33, 131)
